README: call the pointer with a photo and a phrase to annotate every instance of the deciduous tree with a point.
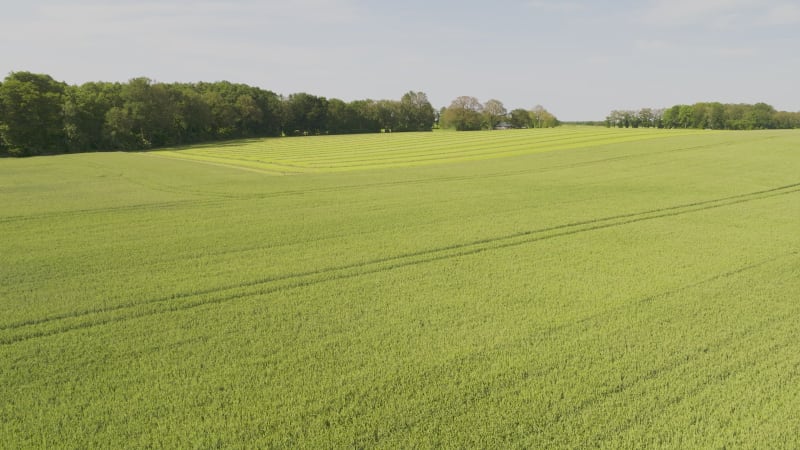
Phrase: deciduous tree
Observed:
(415, 112)
(32, 120)
(464, 114)
(494, 112)
(520, 118)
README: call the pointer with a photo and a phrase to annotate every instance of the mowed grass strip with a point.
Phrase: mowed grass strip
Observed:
(343, 153)
(621, 295)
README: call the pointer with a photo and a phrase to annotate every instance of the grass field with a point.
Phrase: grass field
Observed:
(377, 151)
(575, 287)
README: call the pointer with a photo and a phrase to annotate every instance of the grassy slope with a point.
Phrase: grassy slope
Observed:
(626, 294)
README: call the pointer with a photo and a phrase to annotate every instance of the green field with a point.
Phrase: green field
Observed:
(363, 152)
(574, 287)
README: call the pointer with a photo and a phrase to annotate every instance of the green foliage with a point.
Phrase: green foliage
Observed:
(464, 114)
(360, 116)
(618, 295)
(520, 118)
(85, 112)
(493, 113)
(715, 115)
(3, 127)
(304, 114)
(542, 118)
(415, 113)
(467, 114)
(32, 120)
(40, 115)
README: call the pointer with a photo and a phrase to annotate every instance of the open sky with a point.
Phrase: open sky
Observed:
(580, 59)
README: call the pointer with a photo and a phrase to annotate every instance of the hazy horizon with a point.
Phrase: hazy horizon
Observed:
(577, 58)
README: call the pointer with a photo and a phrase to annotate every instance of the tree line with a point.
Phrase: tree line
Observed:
(467, 113)
(713, 115)
(39, 115)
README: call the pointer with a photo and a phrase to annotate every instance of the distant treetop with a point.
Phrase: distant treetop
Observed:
(712, 115)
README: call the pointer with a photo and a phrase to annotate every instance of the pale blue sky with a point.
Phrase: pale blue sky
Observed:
(579, 59)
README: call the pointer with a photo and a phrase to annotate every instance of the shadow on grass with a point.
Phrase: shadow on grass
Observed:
(202, 145)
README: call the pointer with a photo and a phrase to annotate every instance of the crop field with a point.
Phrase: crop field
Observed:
(361, 152)
(565, 288)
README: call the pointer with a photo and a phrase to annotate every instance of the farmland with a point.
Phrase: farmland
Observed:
(573, 287)
(355, 152)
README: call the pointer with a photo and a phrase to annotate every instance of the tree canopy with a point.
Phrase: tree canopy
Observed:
(467, 113)
(464, 114)
(714, 115)
(39, 115)
(31, 113)
(494, 112)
